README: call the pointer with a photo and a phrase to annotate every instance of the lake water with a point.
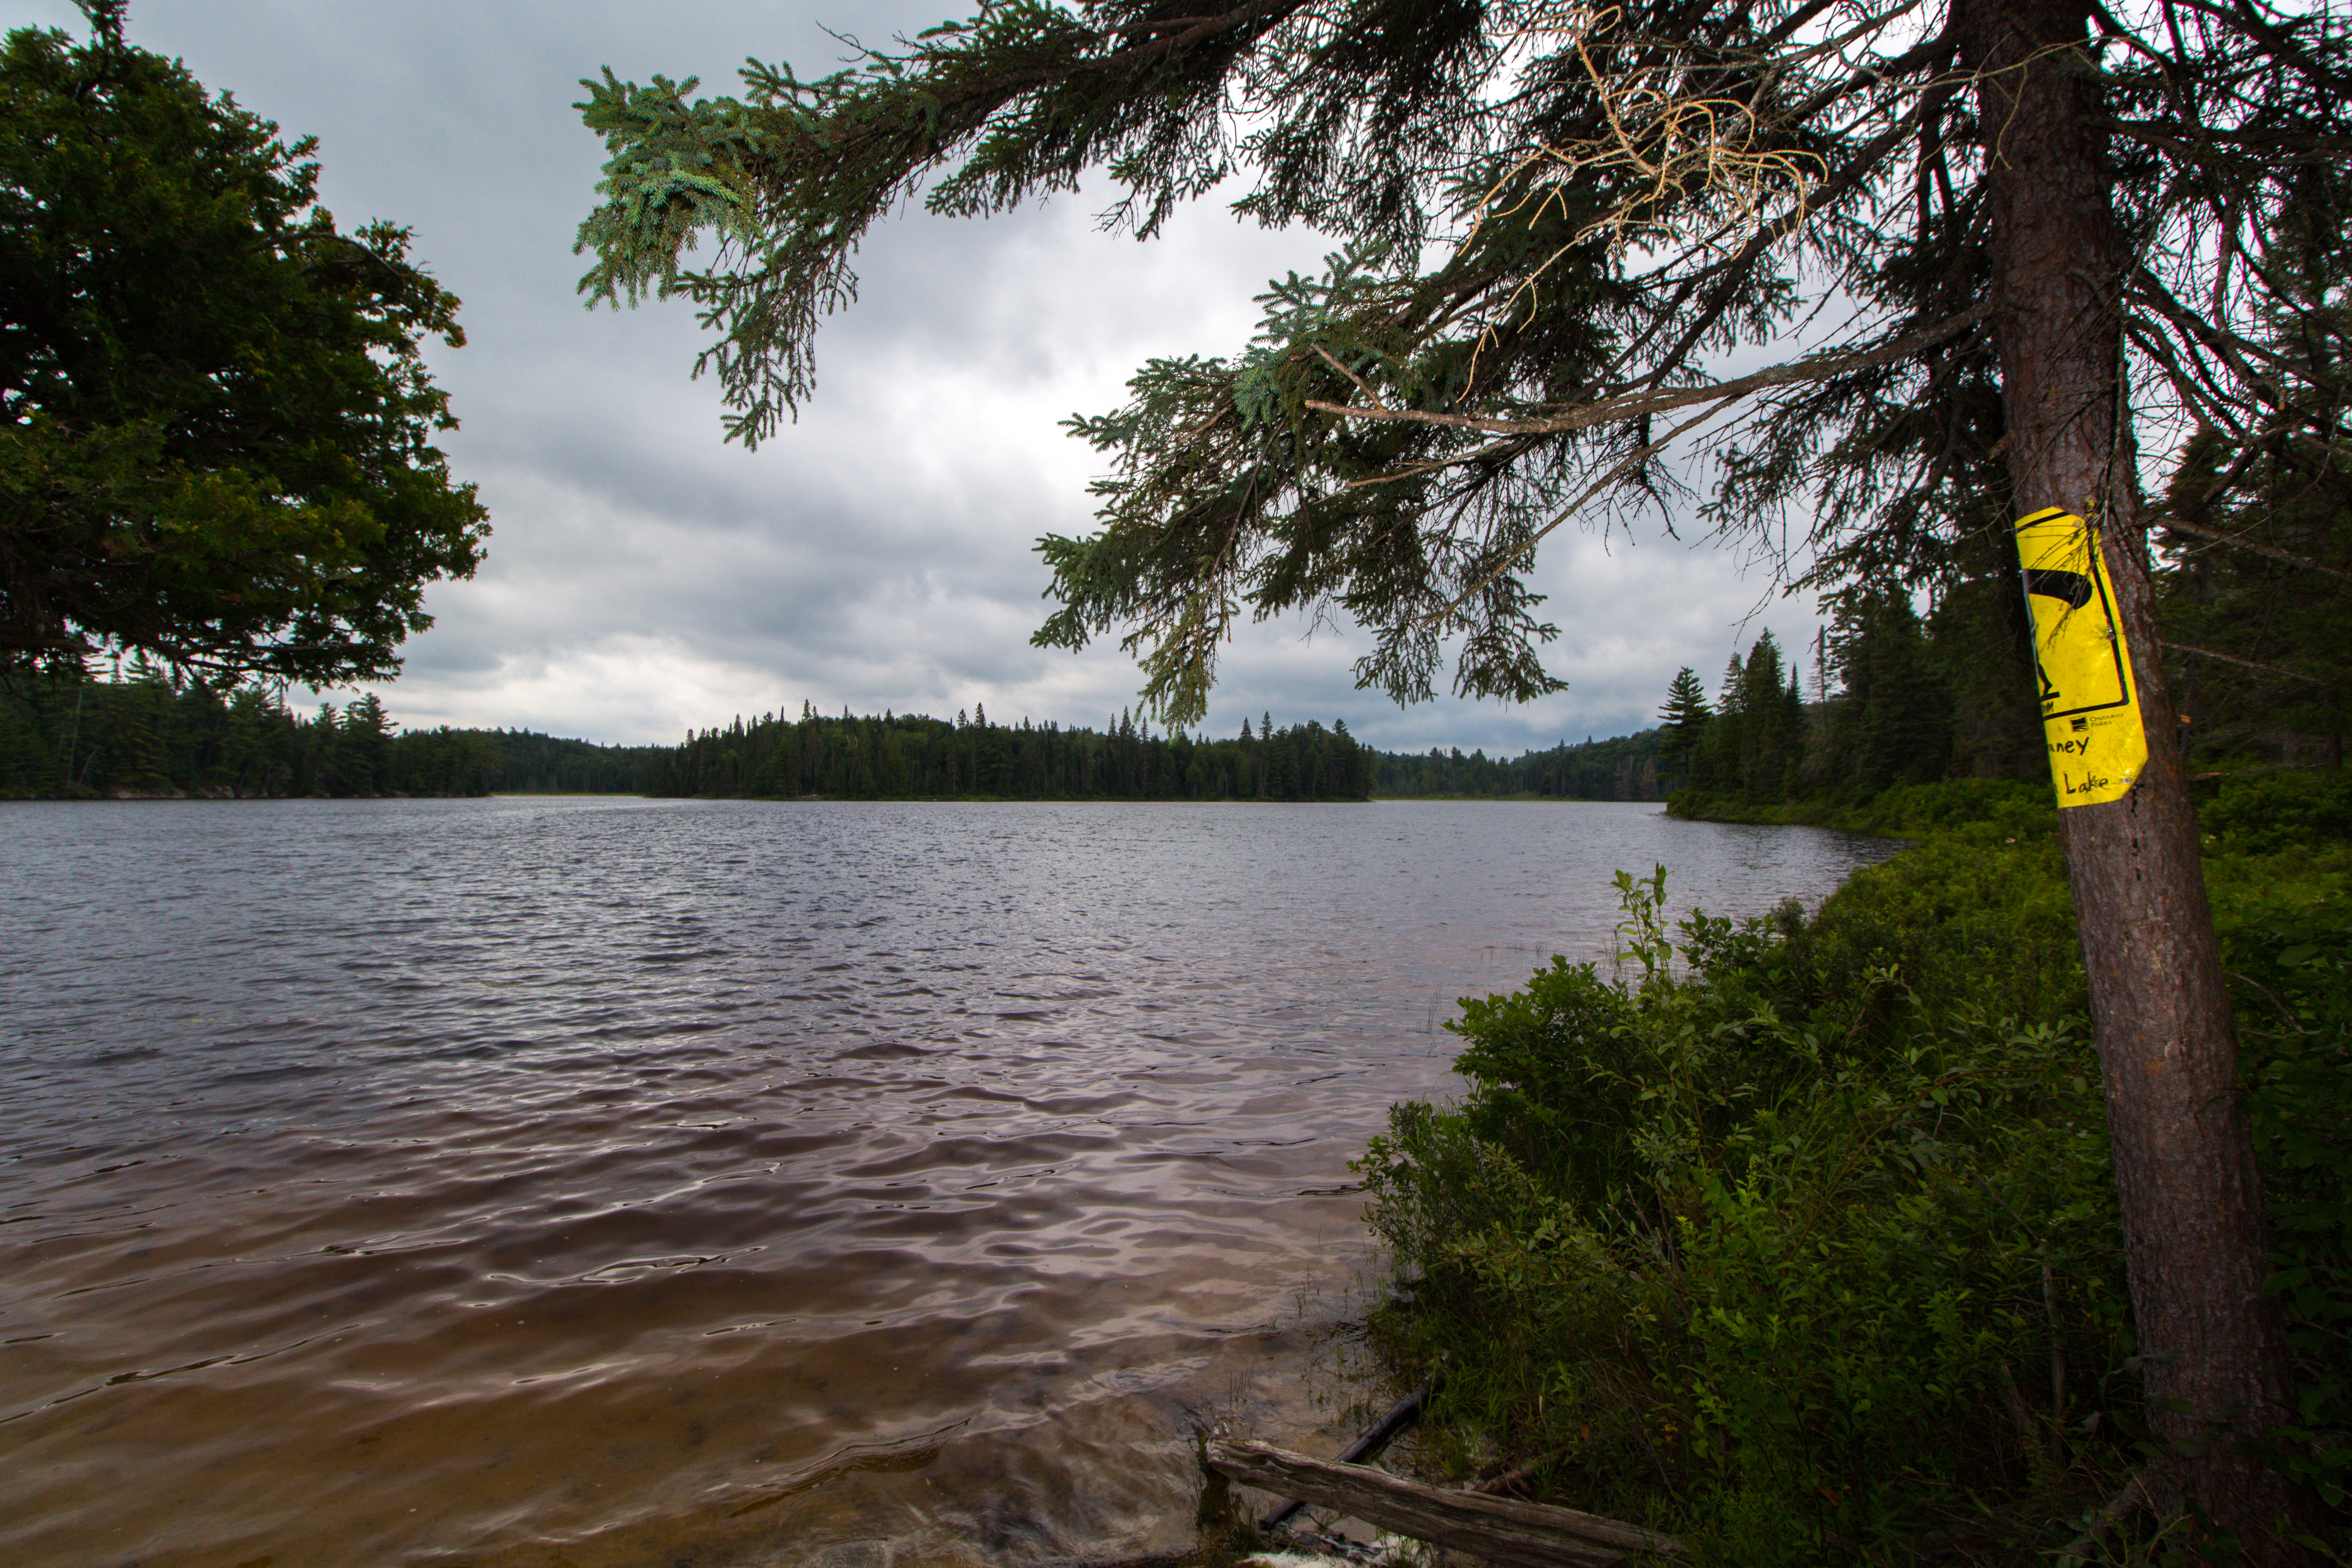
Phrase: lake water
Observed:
(583, 1181)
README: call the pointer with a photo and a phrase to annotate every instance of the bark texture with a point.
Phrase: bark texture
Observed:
(2213, 1345)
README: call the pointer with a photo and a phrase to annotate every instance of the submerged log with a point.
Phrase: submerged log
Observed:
(1401, 1414)
(1501, 1529)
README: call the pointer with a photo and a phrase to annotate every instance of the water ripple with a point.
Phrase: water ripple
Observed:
(535, 1181)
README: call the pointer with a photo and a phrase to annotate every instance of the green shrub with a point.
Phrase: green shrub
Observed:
(2270, 813)
(1798, 1236)
(2290, 956)
(1757, 1246)
(1991, 809)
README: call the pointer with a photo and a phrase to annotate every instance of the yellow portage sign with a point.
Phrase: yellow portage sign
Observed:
(2090, 709)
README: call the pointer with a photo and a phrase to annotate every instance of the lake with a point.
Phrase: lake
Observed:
(590, 1181)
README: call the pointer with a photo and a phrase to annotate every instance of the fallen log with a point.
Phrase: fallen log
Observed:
(1503, 1531)
(1401, 1414)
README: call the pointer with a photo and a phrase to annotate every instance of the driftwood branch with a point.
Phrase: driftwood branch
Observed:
(1503, 1531)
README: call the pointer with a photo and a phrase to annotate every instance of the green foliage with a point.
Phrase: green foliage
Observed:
(2267, 814)
(1981, 653)
(2257, 597)
(1683, 721)
(1624, 768)
(2290, 954)
(1799, 1235)
(1753, 1244)
(215, 419)
(1894, 723)
(1983, 810)
(152, 734)
(900, 755)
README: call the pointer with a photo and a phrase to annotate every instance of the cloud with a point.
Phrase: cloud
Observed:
(645, 577)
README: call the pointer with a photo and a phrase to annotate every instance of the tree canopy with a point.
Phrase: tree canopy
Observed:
(215, 419)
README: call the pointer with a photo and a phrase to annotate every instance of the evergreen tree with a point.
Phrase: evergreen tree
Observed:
(1895, 720)
(1980, 643)
(1686, 717)
(1767, 739)
(1791, 736)
(1718, 766)
(141, 711)
(2260, 630)
(367, 746)
(215, 418)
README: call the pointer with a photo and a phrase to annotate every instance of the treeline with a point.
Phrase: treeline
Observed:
(531, 764)
(2255, 645)
(146, 735)
(1625, 768)
(903, 755)
(1895, 701)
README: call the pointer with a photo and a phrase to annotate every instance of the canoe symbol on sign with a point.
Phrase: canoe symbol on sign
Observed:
(2089, 710)
(2077, 591)
(2076, 651)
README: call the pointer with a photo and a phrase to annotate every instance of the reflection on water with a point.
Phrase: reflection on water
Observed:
(539, 1181)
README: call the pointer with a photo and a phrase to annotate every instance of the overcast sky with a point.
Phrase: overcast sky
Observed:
(645, 577)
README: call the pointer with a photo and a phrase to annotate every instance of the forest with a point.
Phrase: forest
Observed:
(146, 735)
(142, 735)
(2255, 646)
(1623, 768)
(907, 755)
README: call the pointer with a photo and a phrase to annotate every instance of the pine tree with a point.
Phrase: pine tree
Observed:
(1684, 719)
(1765, 738)
(1792, 737)
(2261, 636)
(216, 418)
(1719, 756)
(1894, 715)
(366, 749)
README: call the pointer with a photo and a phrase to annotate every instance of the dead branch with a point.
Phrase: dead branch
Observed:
(1634, 405)
(2244, 663)
(2240, 541)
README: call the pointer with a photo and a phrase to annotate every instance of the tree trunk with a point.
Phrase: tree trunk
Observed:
(2214, 1360)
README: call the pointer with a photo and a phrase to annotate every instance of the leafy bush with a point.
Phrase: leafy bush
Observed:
(1764, 1263)
(2271, 814)
(1992, 810)
(2291, 959)
(1799, 1235)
